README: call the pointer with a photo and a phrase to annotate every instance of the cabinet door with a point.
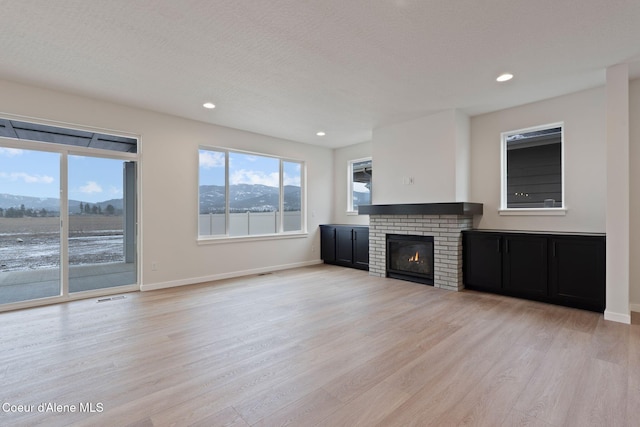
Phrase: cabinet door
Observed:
(328, 243)
(525, 265)
(344, 245)
(578, 271)
(361, 247)
(482, 261)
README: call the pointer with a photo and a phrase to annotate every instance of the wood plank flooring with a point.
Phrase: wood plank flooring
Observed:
(322, 345)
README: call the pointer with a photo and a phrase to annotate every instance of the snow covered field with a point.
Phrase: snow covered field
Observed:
(34, 243)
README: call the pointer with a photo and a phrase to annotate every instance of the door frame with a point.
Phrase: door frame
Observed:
(65, 151)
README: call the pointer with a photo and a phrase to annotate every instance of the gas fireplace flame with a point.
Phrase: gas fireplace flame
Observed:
(415, 258)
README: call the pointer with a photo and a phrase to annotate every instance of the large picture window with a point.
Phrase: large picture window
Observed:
(359, 192)
(532, 168)
(247, 194)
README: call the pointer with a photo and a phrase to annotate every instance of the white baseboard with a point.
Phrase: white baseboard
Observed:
(617, 317)
(634, 307)
(234, 274)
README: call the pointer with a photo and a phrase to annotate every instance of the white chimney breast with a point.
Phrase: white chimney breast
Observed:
(432, 150)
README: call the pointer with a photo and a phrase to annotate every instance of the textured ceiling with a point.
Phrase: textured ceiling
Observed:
(289, 68)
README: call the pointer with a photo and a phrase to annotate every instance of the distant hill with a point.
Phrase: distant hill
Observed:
(74, 205)
(247, 197)
(50, 204)
(37, 203)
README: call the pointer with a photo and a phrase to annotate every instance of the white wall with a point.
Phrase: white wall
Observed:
(634, 194)
(463, 156)
(585, 172)
(432, 150)
(618, 194)
(341, 158)
(169, 185)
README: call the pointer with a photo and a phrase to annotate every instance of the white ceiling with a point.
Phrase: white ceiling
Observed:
(289, 68)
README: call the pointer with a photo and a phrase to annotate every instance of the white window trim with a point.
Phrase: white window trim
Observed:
(350, 163)
(226, 238)
(504, 210)
(222, 239)
(533, 212)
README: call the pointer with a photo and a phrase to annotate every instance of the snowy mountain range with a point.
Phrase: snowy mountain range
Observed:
(49, 203)
(247, 197)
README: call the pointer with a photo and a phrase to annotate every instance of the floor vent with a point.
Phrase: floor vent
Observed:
(111, 298)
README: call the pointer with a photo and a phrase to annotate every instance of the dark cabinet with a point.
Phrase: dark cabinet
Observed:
(577, 273)
(361, 247)
(562, 269)
(345, 245)
(328, 243)
(483, 260)
(525, 265)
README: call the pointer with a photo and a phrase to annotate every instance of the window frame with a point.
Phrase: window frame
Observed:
(541, 211)
(350, 163)
(280, 234)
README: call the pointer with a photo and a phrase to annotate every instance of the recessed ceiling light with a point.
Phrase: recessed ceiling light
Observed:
(209, 105)
(321, 133)
(504, 77)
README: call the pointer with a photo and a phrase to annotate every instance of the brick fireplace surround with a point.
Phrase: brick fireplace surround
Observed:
(444, 221)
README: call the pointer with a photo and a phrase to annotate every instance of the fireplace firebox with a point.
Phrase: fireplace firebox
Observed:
(410, 258)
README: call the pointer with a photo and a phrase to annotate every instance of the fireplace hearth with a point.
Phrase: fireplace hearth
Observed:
(410, 258)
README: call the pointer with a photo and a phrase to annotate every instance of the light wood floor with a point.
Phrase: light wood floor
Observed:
(324, 346)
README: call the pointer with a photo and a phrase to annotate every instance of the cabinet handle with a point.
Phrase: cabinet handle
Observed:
(506, 245)
(354, 235)
(553, 249)
(499, 244)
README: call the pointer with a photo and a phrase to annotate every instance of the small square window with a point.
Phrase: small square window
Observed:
(532, 168)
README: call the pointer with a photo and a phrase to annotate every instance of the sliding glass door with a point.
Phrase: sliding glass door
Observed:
(67, 213)
(102, 249)
(29, 225)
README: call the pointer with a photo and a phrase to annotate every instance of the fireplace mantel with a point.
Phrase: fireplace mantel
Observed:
(454, 208)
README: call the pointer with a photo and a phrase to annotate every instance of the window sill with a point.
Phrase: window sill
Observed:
(257, 238)
(352, 213)
(533, 212)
